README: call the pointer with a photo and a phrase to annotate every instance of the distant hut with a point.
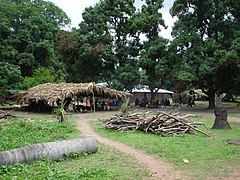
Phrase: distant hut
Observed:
(139, 93)
(45, 96)
(197, 93)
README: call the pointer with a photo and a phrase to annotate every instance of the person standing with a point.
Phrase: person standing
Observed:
(88, 104)
(180, 99)
(107, 104)
(137, 102)
(189, 101)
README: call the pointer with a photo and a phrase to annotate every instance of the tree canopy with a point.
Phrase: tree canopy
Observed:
(103, 48)
(121, 45)
(205, 36)
(28, 32)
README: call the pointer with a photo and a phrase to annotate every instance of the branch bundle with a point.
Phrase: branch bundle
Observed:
(162, 123)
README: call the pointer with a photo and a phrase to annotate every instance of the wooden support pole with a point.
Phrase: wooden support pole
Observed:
(94, 108)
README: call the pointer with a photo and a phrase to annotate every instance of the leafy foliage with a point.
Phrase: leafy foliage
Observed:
(40, 76)
(9, 75)
(103, 48)
(125, 105)
(153, 57)
(28, 32)
(205, 38)
(120, 45)
(60, 112)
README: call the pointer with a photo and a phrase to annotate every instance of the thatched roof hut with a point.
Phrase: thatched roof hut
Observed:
(50, 93)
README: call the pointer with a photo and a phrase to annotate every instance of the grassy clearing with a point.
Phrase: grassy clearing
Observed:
(236, 115)
(16, 133)
(107, 163)
(225, 104)
(220, 134)
(206, 155)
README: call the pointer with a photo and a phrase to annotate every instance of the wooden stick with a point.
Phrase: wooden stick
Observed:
(192, 127)
(94, 108)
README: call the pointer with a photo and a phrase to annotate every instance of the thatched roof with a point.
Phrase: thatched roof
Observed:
(50, 93)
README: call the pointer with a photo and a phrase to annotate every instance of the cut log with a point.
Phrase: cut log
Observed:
(220, 115)
(221, 121)
(51, 150)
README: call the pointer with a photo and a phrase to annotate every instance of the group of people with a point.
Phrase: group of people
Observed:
(88, 103)
(145, 102)
(188, 99)
(106, 104)
(83, 104)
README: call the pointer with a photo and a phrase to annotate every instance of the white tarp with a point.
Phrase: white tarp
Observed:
(145, 89)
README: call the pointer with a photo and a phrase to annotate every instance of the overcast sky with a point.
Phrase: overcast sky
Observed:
(74, 9)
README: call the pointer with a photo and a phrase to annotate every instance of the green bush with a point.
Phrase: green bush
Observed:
(9, 75)
(40, 76)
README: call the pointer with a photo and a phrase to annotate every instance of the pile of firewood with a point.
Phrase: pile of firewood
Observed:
(162, 123)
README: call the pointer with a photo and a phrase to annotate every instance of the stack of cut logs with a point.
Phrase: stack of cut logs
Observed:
(162, 123)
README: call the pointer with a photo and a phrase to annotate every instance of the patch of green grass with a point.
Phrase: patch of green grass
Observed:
(206, 155)
(234, 133)
(225, 104)
(236, 115)
(16, 133)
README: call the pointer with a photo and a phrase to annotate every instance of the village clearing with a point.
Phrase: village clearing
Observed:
(120, 153)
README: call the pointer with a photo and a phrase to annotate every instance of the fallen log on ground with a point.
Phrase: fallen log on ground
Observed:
(51, 150)
(162, 123)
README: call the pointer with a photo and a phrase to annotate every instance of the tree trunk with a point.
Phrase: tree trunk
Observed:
(153, 94)
(211, 98)
(220, 115)
(238, 105)
(51, 150)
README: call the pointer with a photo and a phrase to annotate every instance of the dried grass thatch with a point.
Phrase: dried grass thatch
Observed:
(50, 93)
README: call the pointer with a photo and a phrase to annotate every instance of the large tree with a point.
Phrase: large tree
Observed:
(153, 57)
(125, 45)
(205, 39)
(28, 32)
(103, 48)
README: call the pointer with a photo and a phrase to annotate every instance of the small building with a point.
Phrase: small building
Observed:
(144, 91)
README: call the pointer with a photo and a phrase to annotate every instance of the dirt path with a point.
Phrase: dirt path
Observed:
(234, 120)
(158, 169)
